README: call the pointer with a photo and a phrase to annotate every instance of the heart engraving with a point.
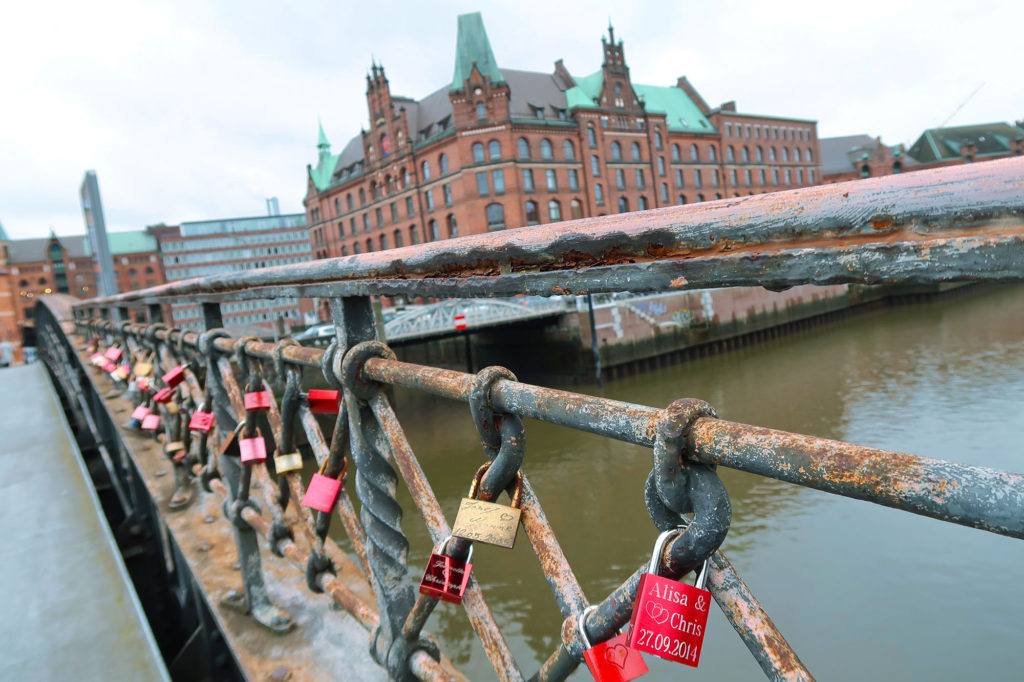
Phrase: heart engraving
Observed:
(616, 654)
(656, 611)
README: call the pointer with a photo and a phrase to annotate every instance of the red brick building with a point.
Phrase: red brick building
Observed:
(500, 148)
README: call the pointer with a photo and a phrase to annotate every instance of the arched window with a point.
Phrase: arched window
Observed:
(635, 150)
(149, 270)
(478, 152)
(554, 210)
(532, 217)
(785, 154)
(675, 153)
(595, 166)
(383, 242)
(398, 239)
(355, 248)
(495, 217)
(623, 205)
(568, 150)
(730, 154)
(616, 151)
(42, 281)
(759, 154)
(24, 283)
(442, 161)
(414, 235)
(641, 204)
(374, 191)
(545, 149)
(406, 179)
(810, 156)
(132, 272)
(385, 144)
(746, 154)
(694, 153)
(425, 170)
(796, 154)
(434, 234)
(348, 200)
(865, 171)
(389, 184)
(712, 156)
(682, 199)
(524, 148)
(897, 167)
(369, 244)
(453, 228)
(494, 150)
(700, 197)
(337, 206)
(575, 209)
(481, 110)
(591, 136)
(657, 140)
(664, 192)
(771, 154)
(344, 250)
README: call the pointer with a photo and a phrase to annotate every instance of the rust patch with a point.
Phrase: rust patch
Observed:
(882, 224)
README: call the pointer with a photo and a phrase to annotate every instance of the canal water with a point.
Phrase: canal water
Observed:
(860, 591)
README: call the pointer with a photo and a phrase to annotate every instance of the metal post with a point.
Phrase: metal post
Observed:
(593, 342)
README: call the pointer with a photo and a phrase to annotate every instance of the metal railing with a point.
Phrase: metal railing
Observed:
(954, 224)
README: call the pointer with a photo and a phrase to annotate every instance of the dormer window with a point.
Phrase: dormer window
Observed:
(538, 112)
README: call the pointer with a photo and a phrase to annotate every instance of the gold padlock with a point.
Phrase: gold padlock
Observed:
(120, 374)
(143, 368)
(481, 521)
(287, 463)
(172, 407)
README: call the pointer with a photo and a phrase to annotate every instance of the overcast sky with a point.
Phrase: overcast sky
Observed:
(193, 110)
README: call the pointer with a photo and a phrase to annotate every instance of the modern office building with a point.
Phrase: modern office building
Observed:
(500, 148)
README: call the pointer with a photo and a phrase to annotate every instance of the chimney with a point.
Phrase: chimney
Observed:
(273, 208)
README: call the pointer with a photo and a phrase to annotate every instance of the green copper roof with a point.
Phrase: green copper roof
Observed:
(681, 114)
(3, 234)
(472, 46)
(325, 161)
(130, 242)
(322, 139)
(943, 144)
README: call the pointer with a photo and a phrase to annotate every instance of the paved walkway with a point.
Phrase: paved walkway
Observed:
(67, 608)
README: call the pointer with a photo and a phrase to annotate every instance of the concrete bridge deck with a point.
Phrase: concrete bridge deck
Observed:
(69, 609)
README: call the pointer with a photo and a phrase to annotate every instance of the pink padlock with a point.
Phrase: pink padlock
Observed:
(252, 450)
(322, 401)
(323, 491)
(96, 358)
(142, 383)
(175, 376)
(257, 401)
(140, 412)
(113, 354)
(201, 421)
(151, 422)
(163, 395)
(108, 366)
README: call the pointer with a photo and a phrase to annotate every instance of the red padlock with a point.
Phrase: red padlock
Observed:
(140, 412)
(257, 401)
(323, 401)
(201, 421)
(113, 354)
(108, 366)
(175, 376)
(253, 450)
(151, 422)
(142, 383)
(163, 395)
(446, 578)
(669, 617)
(611, 660)
(323, 491)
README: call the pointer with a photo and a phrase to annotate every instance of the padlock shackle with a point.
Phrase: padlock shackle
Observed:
(444, 545)
(341, 474)
(659, 547)
(580, 622)
(517, 492)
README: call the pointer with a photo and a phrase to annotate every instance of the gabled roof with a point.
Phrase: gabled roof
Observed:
(844, 154)
(35, 250)
(473, 47)
(943, 144)
(681, 113)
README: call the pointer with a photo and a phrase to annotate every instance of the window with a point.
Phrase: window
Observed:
(595, 166)
(366, 222)
(746, 154)
(574, 180)
(414, 235)
(616, 151)
(447, 189)
(369, 245)
(730, 154)
(374, 191)
(383, 242)
(568, 150)
(493, 150)
(352, 224)
(554, 210)
(679, 178)
(527, 180)
(532, 217)
(524, 148)
(337, 206)
(799, 176)
(591, 136)
(712, 156)
(408, 207)
(760, 177)
(789, 177)
(785, 154)
(482, 188)
(379, 214)
(394, 212)
(641, 204)
(341, 232)
(810, 175)
(694, 153)
(682, 199)
(759, 153)
(796, 154)
(771, 154)
(657, 140)
(551, 180)
(425, 168)
(747, 177)
(599, 194)
(481, 110)
(344, 250)
(810, 156)
(442, 161)
(728, 129)
(385, 144)
(498, 181)
(398, 239)
(732, 177)
(865, 171)
(538, 112)
(675, 153)
(620, 179)
(478, 152)
(664, 192)
(348, 200)
(623, 205)
(406, 178)
(429, 196)
(700, 197)
(635, 151)
(495, 217)
(639, 178)
(748, 130)
(453, 228)
(775, 176)
(661, 166)
(434, 234)
(697, 182)
(714, 177)
(355, 247)
(545, 149)
(897, 167)
(575, 209)
(362, 197)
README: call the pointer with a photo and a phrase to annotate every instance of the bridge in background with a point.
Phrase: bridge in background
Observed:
(962, 223)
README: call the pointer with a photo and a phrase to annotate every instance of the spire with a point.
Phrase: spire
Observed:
(3, 234)
(611, 32)
(473, 47)
(322, 144)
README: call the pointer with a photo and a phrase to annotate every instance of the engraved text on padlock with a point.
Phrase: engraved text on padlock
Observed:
(481, 521)
(446, 578)
(201, 421)
(611, 660)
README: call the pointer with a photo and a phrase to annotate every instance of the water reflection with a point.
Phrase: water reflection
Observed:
(859, 590)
